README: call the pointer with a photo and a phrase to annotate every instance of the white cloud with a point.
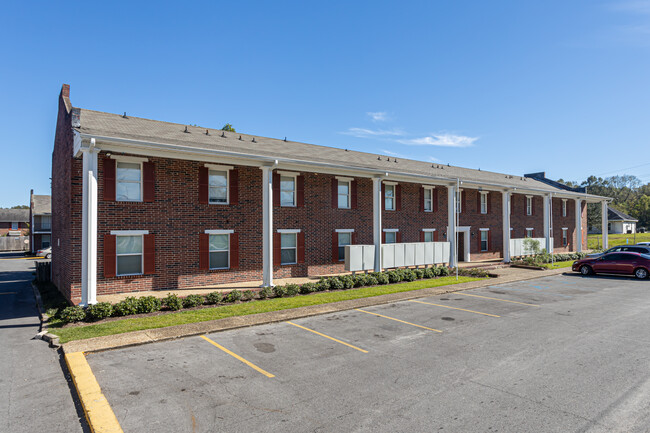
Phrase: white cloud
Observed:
(445, 140)
(432, 159)
(378, 116)
(365, 133)
(391, 153)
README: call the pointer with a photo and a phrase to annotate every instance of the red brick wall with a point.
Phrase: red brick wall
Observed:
(519, 221)
(471, 216)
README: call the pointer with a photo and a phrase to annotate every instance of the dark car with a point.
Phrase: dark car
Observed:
(638, 248)
(625, 263)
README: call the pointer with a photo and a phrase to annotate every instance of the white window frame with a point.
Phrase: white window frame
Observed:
(531, 230)
(484, 202)
(294, 232)
(129, 233)
(295, 188)
(49, 222)
(487, 239)
(347, 180)
(529, 205)
(340, 232)
(117, 181)
(565, 237)
(393, 188)
(213, 168)
(394, 232)
(429, 200)
(428, 231)
(564, 207)
(215, 233)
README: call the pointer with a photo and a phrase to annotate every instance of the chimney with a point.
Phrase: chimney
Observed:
(65, 90)
(76, 118)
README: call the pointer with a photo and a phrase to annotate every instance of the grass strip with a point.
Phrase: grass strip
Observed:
(243, 309)
(558, 265)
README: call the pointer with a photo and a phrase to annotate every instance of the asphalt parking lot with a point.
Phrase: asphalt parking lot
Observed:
(556, 354)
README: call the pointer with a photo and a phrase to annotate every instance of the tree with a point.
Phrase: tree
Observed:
(20, 206)
(228, 127)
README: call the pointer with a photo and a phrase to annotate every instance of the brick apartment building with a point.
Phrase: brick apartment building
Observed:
(141, 204)
(40, 217)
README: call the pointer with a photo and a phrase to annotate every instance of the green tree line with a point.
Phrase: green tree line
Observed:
(629, 195)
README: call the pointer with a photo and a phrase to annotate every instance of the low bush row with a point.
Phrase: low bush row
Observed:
(172, 302)
(544, 257)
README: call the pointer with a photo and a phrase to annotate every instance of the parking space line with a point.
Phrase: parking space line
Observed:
(453, 308)
(398, 320)
(234, 355)
(496, 299)
(327, 336)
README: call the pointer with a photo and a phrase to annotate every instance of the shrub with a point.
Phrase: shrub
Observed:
(293, 289)
(247, 295)
(100, 310)
(408, 275)
(172, 302)
(323, 284)
(72, 314)
(266, 292)
(336, 283)
(419, 274)
(428, 273)
(213, 298)
(382, 277)
(149, 304)
(347, 280)
(371, 280)
(193, 301)
(360, 281)
(279, 291)
(305, 289)
(126, 307)
(443, 271)
(394, 276)
(234, 296)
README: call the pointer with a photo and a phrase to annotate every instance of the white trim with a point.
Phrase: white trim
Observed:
(219, 232)
(129, 232)
(565, 228)
(130, 160)
(530, 228)
(288, 173)
(344, 178)
(389, 182)
(344, 230)
(529, 196)
(288, 230)
(219, 167)
(134, 159)
(430, 188)
(484, 230)
(428, 230)
(391, 230)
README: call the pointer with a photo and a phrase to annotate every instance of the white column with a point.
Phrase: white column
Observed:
(376, 220)
(605, 224)
(451, 224)
(89, 226)
(547, 221)
(578, 225)
(267, 226)
(506, 225)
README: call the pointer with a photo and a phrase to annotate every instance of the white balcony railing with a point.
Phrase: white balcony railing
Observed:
(362, 257)
(517, 247)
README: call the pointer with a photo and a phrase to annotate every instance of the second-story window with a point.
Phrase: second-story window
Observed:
(563, 208)
(529, 205)
(344, 194)
(287, 191)
(484, 202)
(428, 200)
(389, 197)
(129, 181)
(218, 186)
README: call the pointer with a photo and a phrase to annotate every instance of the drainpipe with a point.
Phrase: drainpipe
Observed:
(267, 224)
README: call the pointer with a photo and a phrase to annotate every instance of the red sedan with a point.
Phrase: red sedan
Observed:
(615, 263)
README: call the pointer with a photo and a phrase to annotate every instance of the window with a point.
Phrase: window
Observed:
(428, 236)
(564, 207)
(484, 206)
(609, 227)
(14, 226)
(529, 205)
(287, 191)
(529, 233)
(46, 222)
(459, 201)
(219, 251)
(389, 197)
(391, 237)
(129, 254)
(484, 240)
(344, 195)
(218, 186)
(344, 239)
(428, 200)
(288, 245)
(565, 237)
(45, 241)
(129, 181)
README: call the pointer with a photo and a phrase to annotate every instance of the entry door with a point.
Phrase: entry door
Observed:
(460, 247)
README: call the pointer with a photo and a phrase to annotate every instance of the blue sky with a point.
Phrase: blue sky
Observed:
(504, 86)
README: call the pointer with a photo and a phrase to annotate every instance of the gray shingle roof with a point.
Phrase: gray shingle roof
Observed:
(617, 215)
(114, 125)
(42, 204)
(14, 215)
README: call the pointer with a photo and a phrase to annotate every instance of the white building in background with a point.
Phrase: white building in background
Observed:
(620, 222)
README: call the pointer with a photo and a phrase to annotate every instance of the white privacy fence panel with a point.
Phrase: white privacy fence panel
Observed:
(517, 247)
(362, 257)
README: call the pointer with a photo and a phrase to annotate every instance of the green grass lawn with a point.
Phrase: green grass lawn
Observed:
(596, 240)
(243, 309)
(558, 265)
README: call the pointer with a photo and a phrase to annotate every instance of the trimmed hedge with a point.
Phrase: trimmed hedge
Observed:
(72, 314)
(126, 307)
(173, 302)
(193, 301)
(99, 311)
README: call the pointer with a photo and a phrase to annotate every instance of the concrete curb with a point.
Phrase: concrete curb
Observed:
(135, 338)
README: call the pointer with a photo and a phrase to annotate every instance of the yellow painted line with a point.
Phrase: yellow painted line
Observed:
(454, 308)
(234, 355)
(496, 299)
(24, 258)
(398, 320)
(327, 336)
(98, 412)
